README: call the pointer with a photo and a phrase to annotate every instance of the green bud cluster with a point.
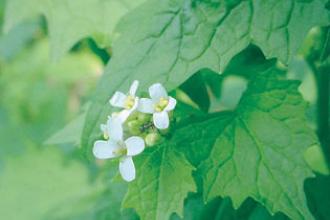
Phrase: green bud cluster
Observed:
(141, 124)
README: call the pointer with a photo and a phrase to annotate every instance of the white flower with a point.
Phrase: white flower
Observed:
(159, 105)
(127, 101)
(116, 147)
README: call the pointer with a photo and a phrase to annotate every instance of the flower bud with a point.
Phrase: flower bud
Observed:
(142, 117)
(152, 139)
(134, 127)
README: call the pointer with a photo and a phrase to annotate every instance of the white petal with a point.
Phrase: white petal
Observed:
(103, 128)
(136, 104)
(127, 168)
(118, 100)
(157, 91)
(161, 120)
(171, 104)
(134, 145)
(133, 88)
(146, 106)
(124, 114)
(104, 149)
(115, 128)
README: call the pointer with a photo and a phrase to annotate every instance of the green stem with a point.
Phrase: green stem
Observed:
(323, 79)
(320, 69)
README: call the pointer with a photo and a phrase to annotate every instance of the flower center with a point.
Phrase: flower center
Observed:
(129, 102)
(161, 105)
(121, 150)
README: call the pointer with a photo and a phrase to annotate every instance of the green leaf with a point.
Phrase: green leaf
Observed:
(206, 129)
(267, 163)
(314, 157)
(259, 154)
(163, 181)
(169, 41)
(71, 21)
(164, 170)
(70, 134)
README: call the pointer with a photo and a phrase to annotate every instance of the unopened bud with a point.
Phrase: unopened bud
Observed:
(152, 139)
(143, 118)
(134, 127)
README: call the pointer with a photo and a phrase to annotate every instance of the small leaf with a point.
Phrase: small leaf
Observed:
(163, 181)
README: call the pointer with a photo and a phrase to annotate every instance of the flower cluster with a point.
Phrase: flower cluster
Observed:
(135, 114)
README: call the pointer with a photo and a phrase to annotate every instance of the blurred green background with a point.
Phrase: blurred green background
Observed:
(42, 174)
(37, 98)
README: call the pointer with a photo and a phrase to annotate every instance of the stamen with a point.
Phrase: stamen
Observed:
(161, 105)
(121, 150)
(129, 102)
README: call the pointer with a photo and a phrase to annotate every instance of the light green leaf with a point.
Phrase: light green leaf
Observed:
(70, 134)
(70, 21)
(314, 157)
(259, 154)
(168, 41)
(163, 181)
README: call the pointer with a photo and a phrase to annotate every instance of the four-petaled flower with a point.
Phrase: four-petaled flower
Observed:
(127, 101)
(159, 105)
(116, 147)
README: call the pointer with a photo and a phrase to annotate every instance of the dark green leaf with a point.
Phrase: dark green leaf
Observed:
(259, 154)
